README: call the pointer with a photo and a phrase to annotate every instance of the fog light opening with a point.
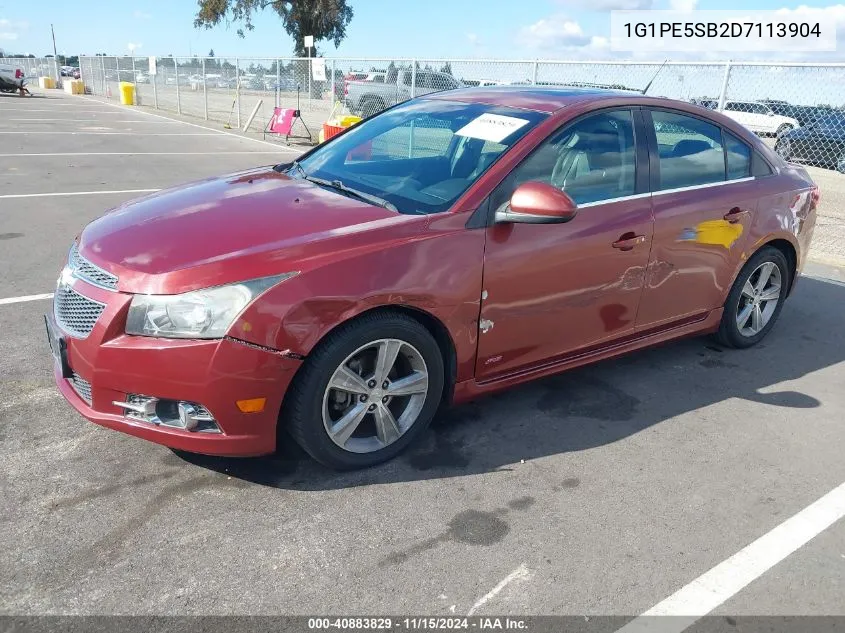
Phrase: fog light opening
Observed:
(179, 414)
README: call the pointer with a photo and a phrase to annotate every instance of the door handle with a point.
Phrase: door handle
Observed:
(628, 241)
(735, 215)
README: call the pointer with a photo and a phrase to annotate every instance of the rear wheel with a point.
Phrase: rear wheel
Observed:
(783, 129)
(371, 106)
(756, 299)
(784, 149)
(368, 390)
(840, 163)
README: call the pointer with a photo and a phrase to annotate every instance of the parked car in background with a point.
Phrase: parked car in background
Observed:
(821, 141)
(759, 118)
(369, 97)
(345, 297)
(141, 77)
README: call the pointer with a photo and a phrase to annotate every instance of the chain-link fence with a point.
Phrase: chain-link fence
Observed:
(801, 107)
(35, 67)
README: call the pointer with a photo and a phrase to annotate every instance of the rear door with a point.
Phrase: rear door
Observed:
(704, 200)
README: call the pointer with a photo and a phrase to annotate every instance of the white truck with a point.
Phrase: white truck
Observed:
(11, 78)
(369, 97)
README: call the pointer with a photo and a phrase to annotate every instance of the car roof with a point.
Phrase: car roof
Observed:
(542, 99)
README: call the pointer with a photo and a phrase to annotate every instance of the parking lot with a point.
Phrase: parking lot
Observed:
(604, 490)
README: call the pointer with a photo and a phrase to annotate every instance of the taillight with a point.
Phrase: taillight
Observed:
(345, 88)
(815, 194)
(18, 73)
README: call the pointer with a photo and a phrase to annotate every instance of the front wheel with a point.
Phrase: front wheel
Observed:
(756, 299)
(783, 129)
(366, 392)
(840, 163)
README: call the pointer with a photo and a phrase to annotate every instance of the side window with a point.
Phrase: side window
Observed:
(593, 159)
(739, 157)
(690, 150)
(733, 107)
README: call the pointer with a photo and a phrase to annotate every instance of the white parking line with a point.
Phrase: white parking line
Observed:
(53, 133)
(134, 154)
(729, 577)
(111, 121)
(60, 109)
(520, 573)
(24, 299)
(73, 193)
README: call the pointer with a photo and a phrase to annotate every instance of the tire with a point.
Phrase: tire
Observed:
(783, 148)
(783, 129)
(312, 407)
(730, 333)
(370, 107)
(840, 163)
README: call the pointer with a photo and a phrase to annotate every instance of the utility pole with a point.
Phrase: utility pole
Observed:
(56, 58)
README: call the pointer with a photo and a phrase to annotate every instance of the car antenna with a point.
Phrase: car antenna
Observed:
(648, 85)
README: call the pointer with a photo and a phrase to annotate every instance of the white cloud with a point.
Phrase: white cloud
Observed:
(473, 39)
(133, 47)
(11, 31)
(554, 32)
(609, 5)
(141, 15)
(683, 5)
(831, 14)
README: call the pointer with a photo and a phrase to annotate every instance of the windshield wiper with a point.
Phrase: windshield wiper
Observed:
(338, 185)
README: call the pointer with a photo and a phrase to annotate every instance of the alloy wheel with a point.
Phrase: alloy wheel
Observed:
(375, 395)
(759, 299)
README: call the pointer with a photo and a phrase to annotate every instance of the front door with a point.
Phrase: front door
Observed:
(554, 289)
(704, 201)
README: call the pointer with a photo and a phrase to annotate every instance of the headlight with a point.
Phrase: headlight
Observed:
(205, 313)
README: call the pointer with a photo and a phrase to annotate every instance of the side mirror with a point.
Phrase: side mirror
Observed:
(537, 203)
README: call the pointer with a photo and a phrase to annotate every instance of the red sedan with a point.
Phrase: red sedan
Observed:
(446, 248)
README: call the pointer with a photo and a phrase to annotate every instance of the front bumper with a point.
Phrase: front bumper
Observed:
(214, 373)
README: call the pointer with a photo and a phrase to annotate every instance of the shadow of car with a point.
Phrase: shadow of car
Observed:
(589, 407)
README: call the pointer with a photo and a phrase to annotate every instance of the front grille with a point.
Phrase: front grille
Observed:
(83, 269)
(75, 314)
(81, 386)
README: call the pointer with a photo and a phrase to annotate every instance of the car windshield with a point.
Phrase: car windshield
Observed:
(418, 157)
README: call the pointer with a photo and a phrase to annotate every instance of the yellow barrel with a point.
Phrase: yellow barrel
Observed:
(127, 93)
(46, 83)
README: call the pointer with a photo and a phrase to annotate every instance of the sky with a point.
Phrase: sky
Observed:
(501, 29)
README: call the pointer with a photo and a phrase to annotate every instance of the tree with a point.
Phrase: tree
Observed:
(324, 19)
(211, 53)
(447, 68)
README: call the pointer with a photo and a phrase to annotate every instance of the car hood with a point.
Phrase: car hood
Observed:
(221, 230)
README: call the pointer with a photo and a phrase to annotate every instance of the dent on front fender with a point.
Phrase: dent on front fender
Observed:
(439, 275)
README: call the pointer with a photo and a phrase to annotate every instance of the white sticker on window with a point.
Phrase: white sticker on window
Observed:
(491, 127)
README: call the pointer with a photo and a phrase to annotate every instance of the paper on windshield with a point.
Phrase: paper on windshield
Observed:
(491, 127)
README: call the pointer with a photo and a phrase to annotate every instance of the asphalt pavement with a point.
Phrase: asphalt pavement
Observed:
(604, 490)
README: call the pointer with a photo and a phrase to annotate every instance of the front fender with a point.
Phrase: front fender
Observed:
(438, 271)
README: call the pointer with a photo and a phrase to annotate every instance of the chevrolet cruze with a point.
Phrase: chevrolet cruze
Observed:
(443, 249)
